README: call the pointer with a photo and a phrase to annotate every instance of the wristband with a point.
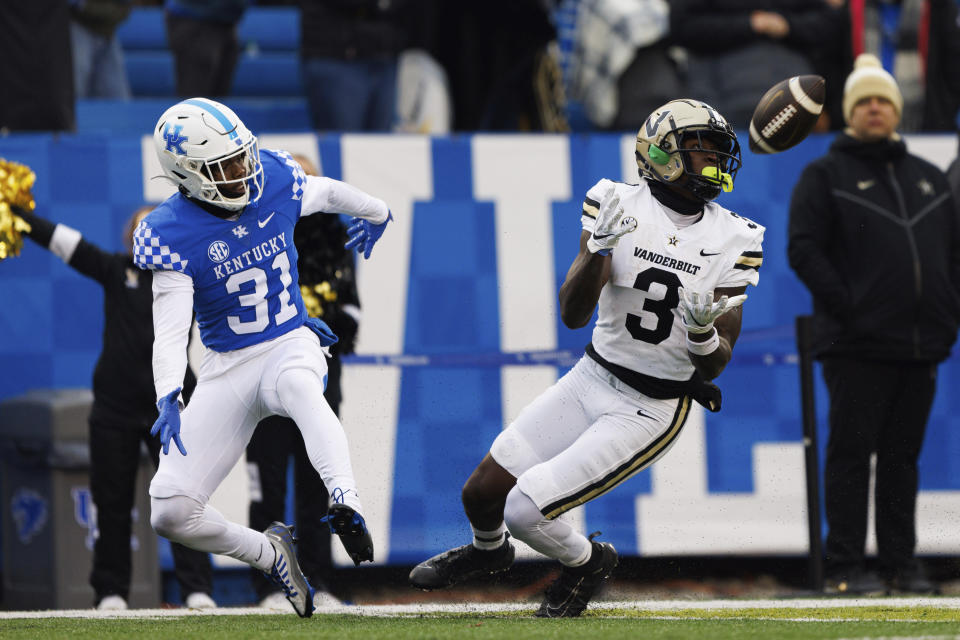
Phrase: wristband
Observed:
(704, 348)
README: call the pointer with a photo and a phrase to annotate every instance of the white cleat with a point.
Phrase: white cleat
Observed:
(112, 603)
(200, 600)
(286, 570)
(277, 601)
(325, 600)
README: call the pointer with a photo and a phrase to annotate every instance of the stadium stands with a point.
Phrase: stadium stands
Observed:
(267, 91)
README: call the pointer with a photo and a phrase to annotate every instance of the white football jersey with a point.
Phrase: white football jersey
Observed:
(639, 327)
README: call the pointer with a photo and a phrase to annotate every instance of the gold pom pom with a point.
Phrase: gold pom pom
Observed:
(16, 180)
(314, 296)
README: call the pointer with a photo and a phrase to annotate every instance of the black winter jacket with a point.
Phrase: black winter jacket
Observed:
(353, 29)
(875, 237)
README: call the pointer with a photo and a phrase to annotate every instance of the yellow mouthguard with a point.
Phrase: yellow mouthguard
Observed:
(725, 180)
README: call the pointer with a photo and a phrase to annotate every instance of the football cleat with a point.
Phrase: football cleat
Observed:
(569, 594)
(463, 563)
(286, 570)
(352, 529)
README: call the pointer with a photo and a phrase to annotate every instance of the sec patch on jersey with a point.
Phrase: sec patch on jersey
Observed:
(786, 113)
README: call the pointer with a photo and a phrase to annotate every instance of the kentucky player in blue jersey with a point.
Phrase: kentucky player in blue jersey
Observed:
(223, 247)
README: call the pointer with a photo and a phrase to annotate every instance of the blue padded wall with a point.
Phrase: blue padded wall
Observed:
(51, 322)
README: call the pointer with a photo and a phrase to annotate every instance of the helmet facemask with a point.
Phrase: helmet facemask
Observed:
(213, 180)
(714, 178)
(661, 155)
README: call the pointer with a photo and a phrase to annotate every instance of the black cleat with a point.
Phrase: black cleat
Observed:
(462, 563)
(350, 526)
(569, 594)
(855, 582)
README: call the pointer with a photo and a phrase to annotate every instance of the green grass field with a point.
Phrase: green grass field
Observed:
(831, 619)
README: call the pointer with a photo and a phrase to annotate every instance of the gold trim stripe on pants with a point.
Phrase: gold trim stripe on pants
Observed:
(643, 459)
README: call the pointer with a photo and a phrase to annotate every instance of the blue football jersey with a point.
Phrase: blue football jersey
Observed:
(244, 271)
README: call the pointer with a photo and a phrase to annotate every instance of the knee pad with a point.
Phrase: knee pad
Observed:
(172, 517)
(521, 515)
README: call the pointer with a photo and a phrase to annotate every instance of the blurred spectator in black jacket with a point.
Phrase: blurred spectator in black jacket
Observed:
(953, 177)
(37, 69)
(874, 236)
(329, 289)
(98, 68)
(349, 51)
(622, 68)
(500, 63)
(918, 41)
(123, 409)
(203, 38)
(740, 48)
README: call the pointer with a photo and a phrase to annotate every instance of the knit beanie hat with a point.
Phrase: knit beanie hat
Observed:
(869, 78)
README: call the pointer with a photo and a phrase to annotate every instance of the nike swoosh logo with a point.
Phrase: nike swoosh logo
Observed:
(705, 254)
(263, 223)
(644, 415)
(606, 235)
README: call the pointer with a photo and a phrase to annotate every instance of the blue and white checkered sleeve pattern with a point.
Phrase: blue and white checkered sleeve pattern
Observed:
(149, 252)
(299, 176)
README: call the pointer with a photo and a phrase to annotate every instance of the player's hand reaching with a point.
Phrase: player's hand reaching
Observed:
(698, 310)
(609, 226)
(168, 424)
(364, 234)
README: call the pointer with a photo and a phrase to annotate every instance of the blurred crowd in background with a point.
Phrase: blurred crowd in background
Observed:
(436, 66)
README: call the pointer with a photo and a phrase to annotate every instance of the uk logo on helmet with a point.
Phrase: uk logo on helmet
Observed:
(174, 139)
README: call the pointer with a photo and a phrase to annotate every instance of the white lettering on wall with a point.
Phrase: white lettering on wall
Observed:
(398, 170)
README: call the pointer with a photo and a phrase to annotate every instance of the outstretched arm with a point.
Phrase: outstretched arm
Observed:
(581, 288)
(591, 268)
(326, 195)
(712, 327)
(69, 245)
(370, 214)
(172, 316)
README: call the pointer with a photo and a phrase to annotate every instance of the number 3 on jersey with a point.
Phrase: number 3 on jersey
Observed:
(258, 298)
(661, 309)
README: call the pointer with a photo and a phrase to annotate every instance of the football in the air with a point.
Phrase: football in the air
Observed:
(786, 113)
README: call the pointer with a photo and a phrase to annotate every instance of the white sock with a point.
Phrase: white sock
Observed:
(267, 557)
(200, 526)
(489, 540)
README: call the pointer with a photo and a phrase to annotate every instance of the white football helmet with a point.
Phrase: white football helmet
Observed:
(661, 156)
(198, 142)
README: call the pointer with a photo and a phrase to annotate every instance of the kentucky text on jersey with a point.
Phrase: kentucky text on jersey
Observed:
(258, 253)
(664, 261)
(244, 270)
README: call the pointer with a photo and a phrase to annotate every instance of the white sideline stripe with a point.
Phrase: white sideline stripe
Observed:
(386, 610)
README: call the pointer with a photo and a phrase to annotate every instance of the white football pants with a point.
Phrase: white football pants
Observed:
(579, 439)
(235, 390)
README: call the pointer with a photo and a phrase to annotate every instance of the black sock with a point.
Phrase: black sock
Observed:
(596, 557)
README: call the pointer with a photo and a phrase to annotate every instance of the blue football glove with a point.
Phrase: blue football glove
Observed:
(168, 424)
(364, 234)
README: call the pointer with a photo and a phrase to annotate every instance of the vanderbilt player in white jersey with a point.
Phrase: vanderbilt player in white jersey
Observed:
(668, 269)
